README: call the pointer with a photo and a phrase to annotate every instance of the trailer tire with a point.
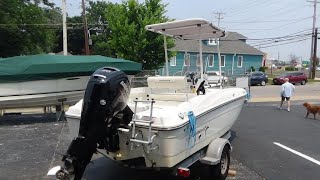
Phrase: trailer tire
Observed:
(213, 172)
(220, 171)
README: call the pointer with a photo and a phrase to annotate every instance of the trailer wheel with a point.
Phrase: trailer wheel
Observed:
(220, 171)
(213, 172)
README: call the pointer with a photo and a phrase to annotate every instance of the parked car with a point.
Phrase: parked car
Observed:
(213, 77)
(258, 78)
(294, 77)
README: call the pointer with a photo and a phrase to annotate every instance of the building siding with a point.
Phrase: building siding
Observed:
(248, 61)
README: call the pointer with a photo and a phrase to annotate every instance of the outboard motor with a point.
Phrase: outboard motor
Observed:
(105, 98)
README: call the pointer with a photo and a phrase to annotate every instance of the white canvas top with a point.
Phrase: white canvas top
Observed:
(189, 29)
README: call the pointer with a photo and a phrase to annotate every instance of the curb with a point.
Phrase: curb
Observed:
(278, 99)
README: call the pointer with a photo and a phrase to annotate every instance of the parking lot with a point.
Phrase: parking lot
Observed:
(268, 143)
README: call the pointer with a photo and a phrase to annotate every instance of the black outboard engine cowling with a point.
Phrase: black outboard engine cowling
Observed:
(106, 96)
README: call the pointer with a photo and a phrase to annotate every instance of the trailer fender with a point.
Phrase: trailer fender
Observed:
(214, 151)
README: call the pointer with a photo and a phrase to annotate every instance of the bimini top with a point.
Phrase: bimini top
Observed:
(189, 29)
(44, 67)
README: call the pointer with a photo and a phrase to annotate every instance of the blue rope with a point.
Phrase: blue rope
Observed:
(193, 126)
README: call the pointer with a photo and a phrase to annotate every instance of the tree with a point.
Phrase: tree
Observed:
(126, 34)
(75, 36)
(100, 34)
(45, 2)
(23, 28)
(293, 59)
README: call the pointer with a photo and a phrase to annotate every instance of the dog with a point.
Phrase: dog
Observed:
(313, 109)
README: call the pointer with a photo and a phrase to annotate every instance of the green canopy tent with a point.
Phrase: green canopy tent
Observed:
(43, 67)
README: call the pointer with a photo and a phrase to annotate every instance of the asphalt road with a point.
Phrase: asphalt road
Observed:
(261, 125)
(31, 144)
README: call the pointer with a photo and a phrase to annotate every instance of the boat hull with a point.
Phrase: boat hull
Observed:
(42, 93)
(172, 145)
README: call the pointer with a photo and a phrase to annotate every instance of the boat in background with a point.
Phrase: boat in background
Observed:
(46, 80)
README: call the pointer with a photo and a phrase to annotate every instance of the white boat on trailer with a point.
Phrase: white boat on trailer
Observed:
(164, 125)
(49, 80)
(42, 93)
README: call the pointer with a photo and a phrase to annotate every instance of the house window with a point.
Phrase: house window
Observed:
(210, 60)
(173, 61)
(198, 63)
(186, 60)
(223, 60)
(240, 61)
(212, 42)
(198, 60)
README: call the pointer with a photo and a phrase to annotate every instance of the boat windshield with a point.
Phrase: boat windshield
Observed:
(212, 74)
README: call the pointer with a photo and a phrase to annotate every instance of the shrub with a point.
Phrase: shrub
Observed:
(291, 69)
(252, 69)
(262, 69)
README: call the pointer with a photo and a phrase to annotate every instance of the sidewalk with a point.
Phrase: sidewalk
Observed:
(277, 99)
(271, 93)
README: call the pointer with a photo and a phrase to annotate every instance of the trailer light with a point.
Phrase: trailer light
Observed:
(184, 172)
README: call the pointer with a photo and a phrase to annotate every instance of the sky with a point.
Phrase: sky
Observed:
(261, 21)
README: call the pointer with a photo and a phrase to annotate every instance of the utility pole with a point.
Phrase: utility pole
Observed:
(315, 2)
(85, 29)
(219, 17)
(64, 28)
(315, 54)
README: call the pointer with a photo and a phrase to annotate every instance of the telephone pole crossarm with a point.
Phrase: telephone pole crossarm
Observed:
(219, 16)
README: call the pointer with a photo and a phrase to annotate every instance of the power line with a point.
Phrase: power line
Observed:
(280, 26)
(240, 4)
(286, 43)
(279, 40)
(276, 13)
(273, 40)
(288, 35)
(253, 22)
(54, 24)
(244, 11)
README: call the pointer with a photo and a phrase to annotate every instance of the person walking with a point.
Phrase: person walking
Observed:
(287, 90)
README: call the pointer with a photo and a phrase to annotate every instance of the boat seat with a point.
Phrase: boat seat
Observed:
(140, 107)
(181, 97)
(169, 88)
